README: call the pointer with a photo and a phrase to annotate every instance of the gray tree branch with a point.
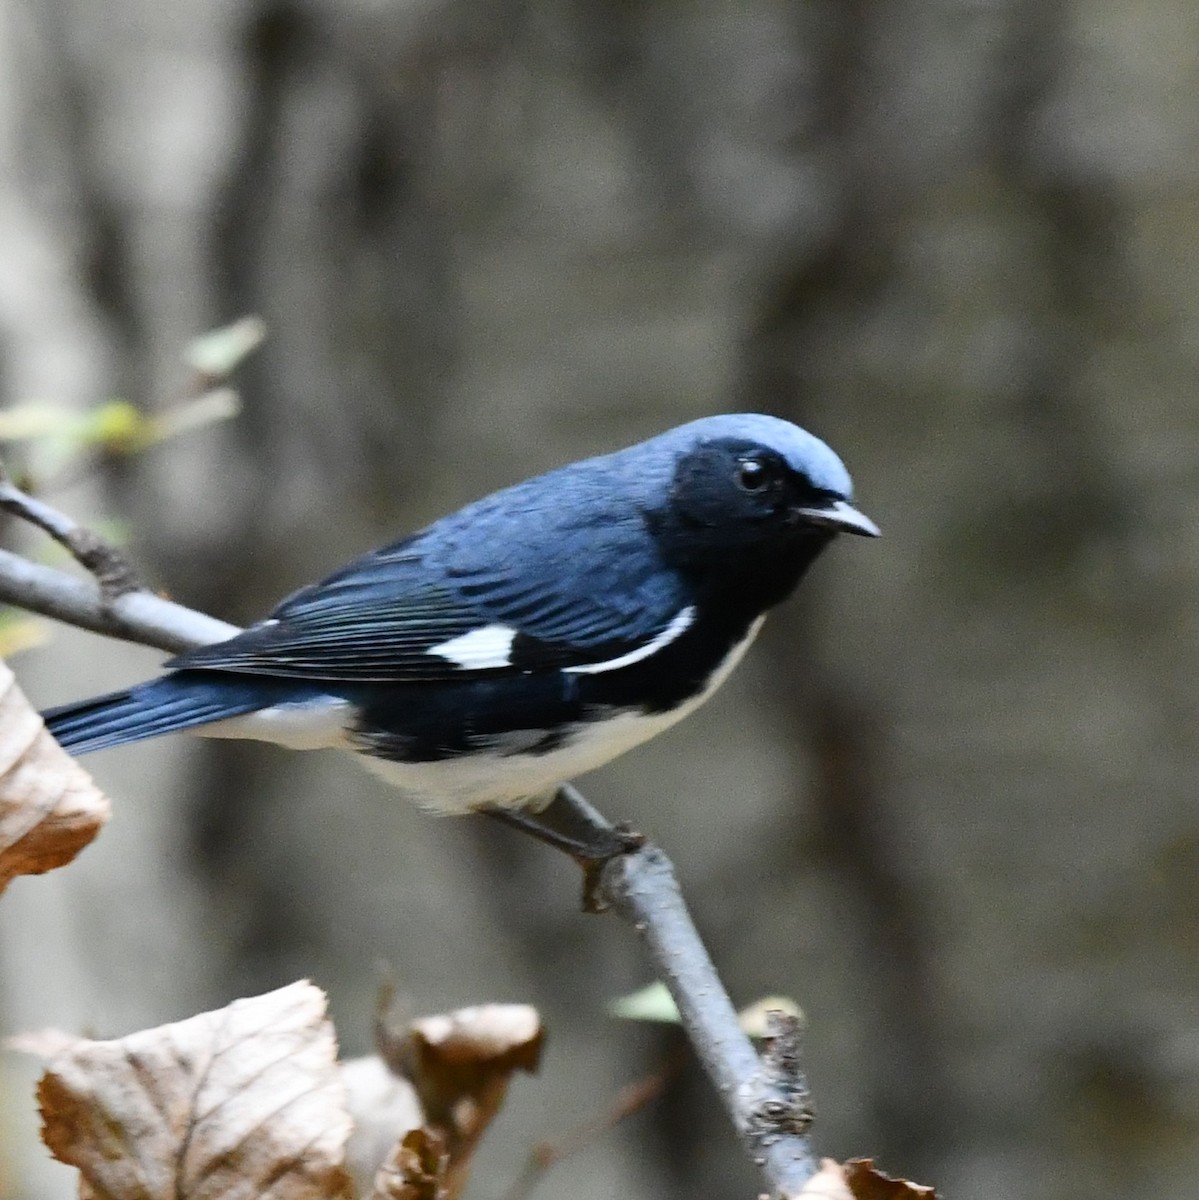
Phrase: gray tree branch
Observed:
(767, 1099)
(110, 568)
(140, 617)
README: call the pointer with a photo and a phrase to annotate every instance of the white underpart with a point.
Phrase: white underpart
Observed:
(306, 725)
(681, 622)
(479, 650)
(458, 785)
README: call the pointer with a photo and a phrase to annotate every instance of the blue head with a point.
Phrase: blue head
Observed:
(749, 501)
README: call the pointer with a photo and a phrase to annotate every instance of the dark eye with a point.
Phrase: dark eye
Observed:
(752, 476)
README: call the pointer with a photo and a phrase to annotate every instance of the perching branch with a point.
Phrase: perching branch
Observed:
(111, 569)
(766, 1098)
(140, 616)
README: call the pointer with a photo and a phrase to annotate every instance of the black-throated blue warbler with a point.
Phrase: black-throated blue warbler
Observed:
(529, 637)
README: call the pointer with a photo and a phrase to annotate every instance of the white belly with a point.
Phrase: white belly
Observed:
(312, 725)
(459, 785)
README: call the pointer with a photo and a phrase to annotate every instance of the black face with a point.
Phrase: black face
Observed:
(736, 519)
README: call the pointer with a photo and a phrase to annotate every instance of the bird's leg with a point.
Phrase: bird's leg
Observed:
(571, 825)
(514, 818)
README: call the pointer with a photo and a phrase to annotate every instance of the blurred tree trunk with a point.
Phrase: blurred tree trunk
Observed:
(950, 805)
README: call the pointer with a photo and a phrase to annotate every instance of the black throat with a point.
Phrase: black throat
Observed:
(745, 582)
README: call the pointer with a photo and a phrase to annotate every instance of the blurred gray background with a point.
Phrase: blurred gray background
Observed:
(949, 803)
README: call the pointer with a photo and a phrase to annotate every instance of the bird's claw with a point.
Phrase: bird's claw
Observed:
(592, 846)
(623, 840)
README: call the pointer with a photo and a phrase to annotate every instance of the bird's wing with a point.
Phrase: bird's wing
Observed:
(428, 609)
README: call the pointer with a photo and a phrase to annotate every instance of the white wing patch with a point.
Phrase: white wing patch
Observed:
(459, 785)
(680, 624)
(484, 649)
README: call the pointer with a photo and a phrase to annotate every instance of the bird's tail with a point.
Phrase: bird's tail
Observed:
(174, 702)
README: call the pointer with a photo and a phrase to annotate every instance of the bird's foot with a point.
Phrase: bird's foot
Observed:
(593, 847)
(571, 825)
(623, 839)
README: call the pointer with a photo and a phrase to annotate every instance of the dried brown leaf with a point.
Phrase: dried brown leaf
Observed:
(867, 1183)
(858, 1179)
(43, 1043)
(417, 1169)
(229, 1105)
(461, 1064)
(828, 1183)
(482, 1041)
(384, 1109)
(49, 807)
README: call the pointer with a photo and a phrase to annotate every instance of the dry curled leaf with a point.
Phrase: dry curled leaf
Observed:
(485, 1039)
(867, 1183)
(460, 1065)
(858, 1179)
(49, 807)
(229, 1105)
(384, 1108)
(827, 1184)
(42, 1043)
(416, 1169)
(461, 1062)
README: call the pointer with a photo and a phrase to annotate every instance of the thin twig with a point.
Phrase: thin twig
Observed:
(767, 1103)
(631, 1098)
(140, 617)
(768, 1110)
(111, 569)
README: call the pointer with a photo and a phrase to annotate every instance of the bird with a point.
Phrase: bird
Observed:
(531, 636)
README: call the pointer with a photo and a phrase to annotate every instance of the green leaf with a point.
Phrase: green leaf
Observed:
(216, 354)
(116, 426)
(220, 404)
(655, 1003)
(51, 435)
(652, 1003)
(752, 1018)
(25, 422)
(19, 631)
